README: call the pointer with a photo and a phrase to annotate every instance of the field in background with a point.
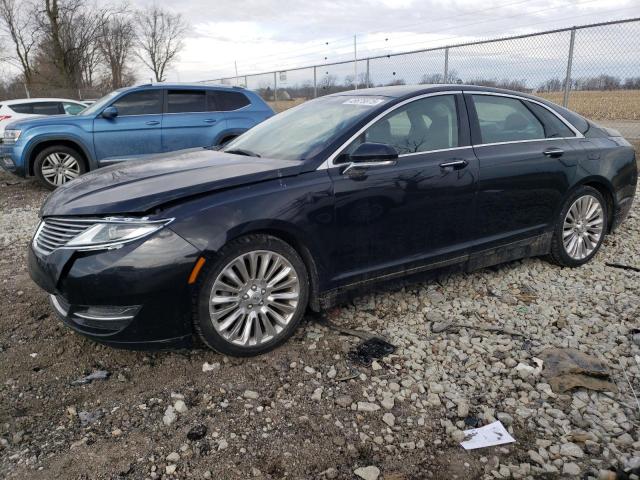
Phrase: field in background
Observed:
(601, 104)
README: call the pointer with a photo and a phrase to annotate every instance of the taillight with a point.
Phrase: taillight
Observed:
(4, 117)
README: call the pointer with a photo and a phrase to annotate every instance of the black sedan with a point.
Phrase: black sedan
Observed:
(233, 246)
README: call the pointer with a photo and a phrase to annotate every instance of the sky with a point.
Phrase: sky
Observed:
(265, 35)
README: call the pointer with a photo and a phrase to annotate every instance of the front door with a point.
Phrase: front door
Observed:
(418, 210)
(136, 130)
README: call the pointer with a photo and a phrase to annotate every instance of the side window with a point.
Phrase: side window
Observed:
(185, 101)
(505, 119)
(22, 107)
(553, 126)
(47, 108)
(427, 124)
(140, 103)
(223, 101)
(72, 108)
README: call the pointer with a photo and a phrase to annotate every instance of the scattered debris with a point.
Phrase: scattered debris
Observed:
(568, 368)
(95, 375)
(197, 432)
(635, 336)
(209, 367)
(487, 436)
(365, 352)
(439, 327)
(622, 267)
(87, 418)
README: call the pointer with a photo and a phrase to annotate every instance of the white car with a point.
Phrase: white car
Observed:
(11, 110)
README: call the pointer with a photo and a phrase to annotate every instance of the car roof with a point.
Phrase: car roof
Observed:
(181, 85)
(35, 100)
(399, 91)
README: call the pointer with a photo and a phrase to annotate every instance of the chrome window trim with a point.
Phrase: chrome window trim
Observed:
(523, 141)
(525, 99)
(328, 163)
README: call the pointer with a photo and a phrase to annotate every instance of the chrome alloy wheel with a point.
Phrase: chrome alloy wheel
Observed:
(583, 227)
(254, 298)
(59, 168)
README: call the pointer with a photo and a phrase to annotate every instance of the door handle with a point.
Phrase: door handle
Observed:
(152, 122)
(553, 152)
(210, 120)
(455, 164)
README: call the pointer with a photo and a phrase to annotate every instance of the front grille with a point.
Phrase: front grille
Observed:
(56, 232)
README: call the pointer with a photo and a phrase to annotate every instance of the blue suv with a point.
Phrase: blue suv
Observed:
(128, 123)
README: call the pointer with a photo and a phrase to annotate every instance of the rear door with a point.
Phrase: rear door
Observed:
(137, 130)
(190, 120)
(525, 164)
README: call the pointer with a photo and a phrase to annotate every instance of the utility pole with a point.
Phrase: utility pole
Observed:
(235, 63)
(355, 62)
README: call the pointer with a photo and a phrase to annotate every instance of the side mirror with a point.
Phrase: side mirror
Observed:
(370, 155)
(110, 113)
(374, 152)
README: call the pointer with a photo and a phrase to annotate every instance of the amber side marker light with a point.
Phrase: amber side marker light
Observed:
(196, 270)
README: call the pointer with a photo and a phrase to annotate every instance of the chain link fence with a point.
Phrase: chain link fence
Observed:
(592, 69)
(45, 89)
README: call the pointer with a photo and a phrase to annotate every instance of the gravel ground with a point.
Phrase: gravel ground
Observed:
(304, 411)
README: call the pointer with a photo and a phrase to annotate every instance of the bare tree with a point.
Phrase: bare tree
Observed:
(72, 29)
(160, 39)
(116, 45)
(18, 21)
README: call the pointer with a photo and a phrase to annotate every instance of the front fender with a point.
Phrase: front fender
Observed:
(32, 138)
(298, 209)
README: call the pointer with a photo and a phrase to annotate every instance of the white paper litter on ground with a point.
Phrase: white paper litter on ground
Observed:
(487, 436)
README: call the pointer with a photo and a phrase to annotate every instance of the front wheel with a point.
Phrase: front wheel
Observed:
(54, 166)
(580, 228)
(253, 297)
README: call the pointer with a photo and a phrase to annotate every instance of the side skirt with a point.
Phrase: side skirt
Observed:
(529, 247)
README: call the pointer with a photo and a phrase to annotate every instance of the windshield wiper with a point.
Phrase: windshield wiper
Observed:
(241, 151)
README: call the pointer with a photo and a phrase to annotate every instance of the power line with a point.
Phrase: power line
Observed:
(346, 41)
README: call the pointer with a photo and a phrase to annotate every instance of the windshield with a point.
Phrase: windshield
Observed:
(303, 131)
(99, 104)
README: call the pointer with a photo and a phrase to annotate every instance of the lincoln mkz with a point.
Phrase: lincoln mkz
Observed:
(233, 245)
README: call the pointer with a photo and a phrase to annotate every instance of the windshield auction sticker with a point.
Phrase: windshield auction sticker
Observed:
(368, 101)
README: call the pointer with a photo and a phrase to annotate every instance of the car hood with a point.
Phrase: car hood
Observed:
(137, 186)
(43, 121)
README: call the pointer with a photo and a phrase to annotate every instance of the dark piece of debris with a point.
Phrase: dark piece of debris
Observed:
(197, 432)
(623, 267)
(373, 348)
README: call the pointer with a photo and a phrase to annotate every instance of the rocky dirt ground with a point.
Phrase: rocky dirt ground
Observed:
(304, 411)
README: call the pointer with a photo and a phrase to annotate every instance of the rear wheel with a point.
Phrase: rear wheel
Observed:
(580, 228)
(54, 166)
(253, 297)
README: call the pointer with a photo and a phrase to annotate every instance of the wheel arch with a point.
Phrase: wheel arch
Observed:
(229, 134)
(605, 188)
(43, 144)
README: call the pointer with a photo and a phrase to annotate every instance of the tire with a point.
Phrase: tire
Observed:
(56, 165)
(253, 321)
(226, 140)
(588, 235)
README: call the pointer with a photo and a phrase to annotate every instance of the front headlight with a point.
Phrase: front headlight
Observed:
(113, 232)
(11, 136)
